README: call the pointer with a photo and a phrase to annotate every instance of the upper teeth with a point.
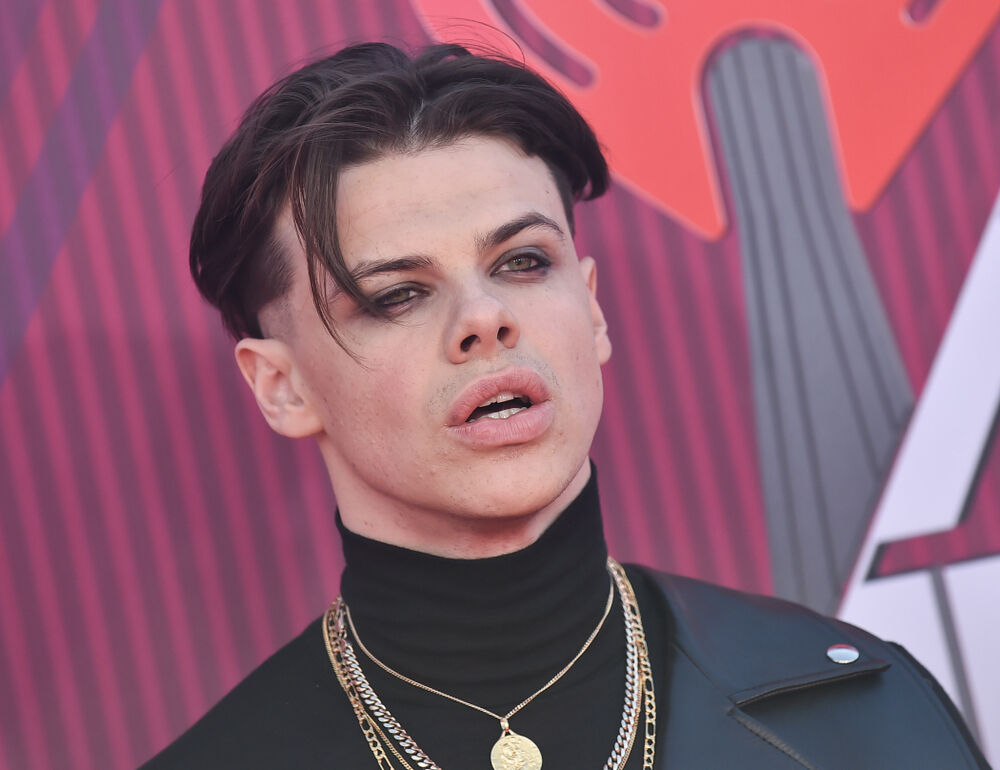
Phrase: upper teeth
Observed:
(503, 414)
(497, 399)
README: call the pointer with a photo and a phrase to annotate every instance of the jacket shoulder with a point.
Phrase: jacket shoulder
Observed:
(288, 712)
(766, 660)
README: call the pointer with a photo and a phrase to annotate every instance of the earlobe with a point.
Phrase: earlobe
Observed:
(268, 368)
(602, 341)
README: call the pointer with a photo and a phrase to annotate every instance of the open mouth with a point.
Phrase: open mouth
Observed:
(500, 407)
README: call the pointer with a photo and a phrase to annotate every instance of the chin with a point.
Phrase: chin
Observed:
(525, 489)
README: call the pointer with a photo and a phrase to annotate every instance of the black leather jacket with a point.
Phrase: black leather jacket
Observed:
(751, 686)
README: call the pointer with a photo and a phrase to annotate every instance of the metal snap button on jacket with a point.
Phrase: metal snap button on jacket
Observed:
(842, 653)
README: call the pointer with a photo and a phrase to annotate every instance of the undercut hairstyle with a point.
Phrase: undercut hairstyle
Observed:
(365, 102)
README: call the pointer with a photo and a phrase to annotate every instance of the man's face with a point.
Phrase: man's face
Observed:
(468, 249)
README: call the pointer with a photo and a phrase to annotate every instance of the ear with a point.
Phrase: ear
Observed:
(601, 340)
(268, 367)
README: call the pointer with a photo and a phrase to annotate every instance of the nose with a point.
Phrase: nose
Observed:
(481, 326)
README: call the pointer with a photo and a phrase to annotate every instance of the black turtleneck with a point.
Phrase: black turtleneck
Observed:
(492, 631)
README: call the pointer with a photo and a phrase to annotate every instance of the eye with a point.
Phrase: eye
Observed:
(524, 262)
(396, 298)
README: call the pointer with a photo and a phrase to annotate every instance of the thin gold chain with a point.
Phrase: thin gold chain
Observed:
(456, 699)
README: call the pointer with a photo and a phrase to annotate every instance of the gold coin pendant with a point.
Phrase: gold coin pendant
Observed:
(515, 752)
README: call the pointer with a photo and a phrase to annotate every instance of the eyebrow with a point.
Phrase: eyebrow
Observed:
(484, 242)
(508, 230)
(401, 264)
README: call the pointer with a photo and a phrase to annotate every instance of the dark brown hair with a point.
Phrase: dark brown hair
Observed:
(362, 103)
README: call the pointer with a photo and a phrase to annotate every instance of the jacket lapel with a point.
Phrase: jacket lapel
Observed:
(732, 650)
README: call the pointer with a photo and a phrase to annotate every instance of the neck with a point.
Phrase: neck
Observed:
(450, 534)
(496, 622)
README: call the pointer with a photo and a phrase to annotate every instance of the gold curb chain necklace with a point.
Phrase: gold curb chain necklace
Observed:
(511, 751)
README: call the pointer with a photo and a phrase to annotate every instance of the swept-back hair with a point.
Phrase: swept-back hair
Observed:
(362, 103)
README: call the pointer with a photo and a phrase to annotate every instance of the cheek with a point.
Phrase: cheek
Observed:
(380, 399)
(568, 327)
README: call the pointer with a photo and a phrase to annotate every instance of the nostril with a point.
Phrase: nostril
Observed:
(502, 333)
(468, 342)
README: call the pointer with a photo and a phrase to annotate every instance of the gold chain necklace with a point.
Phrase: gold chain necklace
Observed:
(511, 751)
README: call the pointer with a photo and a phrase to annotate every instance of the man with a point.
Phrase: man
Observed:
(390, 239)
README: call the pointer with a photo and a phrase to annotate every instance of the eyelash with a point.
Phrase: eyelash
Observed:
(539, 263)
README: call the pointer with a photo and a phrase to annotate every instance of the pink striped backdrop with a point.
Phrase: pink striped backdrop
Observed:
(156, 540)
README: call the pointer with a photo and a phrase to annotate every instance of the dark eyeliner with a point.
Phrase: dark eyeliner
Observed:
(542, 262)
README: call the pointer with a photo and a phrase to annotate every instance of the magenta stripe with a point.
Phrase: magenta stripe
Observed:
(340, 22)
(293, 35)
(977, 119)
(261, 55)
(400, 23)
(882, 246)
(295, 574)
(177, 457)
(21, 130)
(953, 198)
(52, 660)
(23, 742)
(318, 500)
(650, 431)
(15, 33)
(970, 118)
(922, 238)
(682, 379)
(651, 505)
(82, 610)
(115, 463)
(979, 90)
(956, 242)
(109, 466)
(180, 439)
(179, 487)
(696, 313)
(625, 513)
(22, 651)
(224, 99)
(139, 453)
(625, 519)
(369, 18)
(674, 331)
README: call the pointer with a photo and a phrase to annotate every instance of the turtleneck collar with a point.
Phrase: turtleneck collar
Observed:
(460, 624)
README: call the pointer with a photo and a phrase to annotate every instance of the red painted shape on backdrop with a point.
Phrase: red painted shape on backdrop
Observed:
(883, 75)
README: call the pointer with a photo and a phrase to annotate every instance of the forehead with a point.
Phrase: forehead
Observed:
(439, 196)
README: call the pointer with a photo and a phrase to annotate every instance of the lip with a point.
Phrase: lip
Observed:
(521, 428)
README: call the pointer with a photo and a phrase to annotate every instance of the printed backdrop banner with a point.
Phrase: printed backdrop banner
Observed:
(799, 260)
